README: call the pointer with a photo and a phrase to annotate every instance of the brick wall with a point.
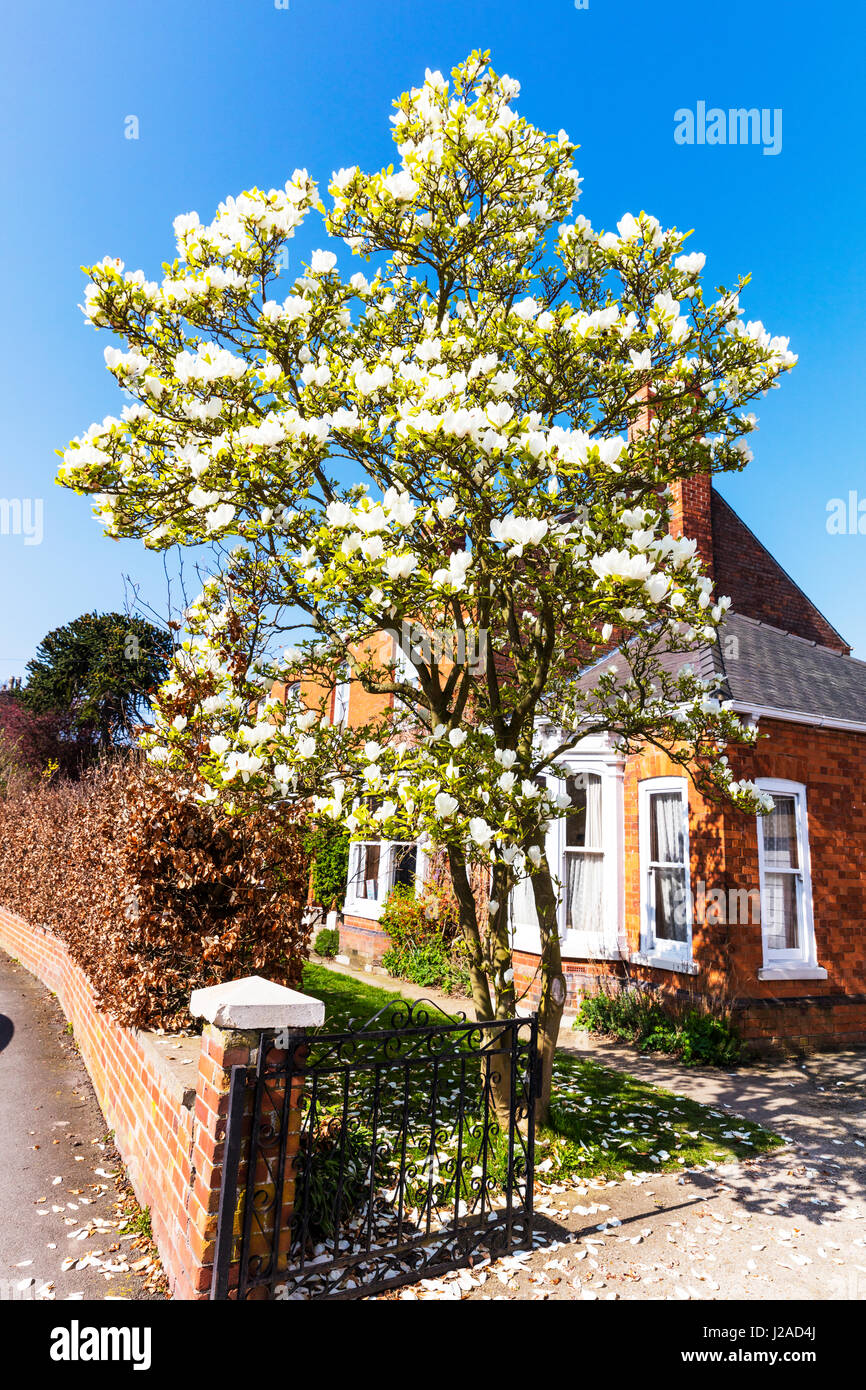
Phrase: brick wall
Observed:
(363, 939)
(168, 1119)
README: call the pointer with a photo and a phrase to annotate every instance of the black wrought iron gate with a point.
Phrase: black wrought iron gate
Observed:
(364, 1160)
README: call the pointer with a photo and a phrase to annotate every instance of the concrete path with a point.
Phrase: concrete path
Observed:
(789, 1225)
(56, 1164)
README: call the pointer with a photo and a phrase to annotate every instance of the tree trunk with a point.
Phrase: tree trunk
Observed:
(496, 1070)
(553, 989)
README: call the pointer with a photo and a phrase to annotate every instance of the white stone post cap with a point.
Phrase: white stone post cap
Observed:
(254, 1003)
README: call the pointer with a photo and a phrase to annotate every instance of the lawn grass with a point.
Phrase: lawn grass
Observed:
(604, 1123)
(349, 1003)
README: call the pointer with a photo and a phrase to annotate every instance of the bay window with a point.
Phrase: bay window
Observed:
(584, 851)
(583, 855)
(375, 867)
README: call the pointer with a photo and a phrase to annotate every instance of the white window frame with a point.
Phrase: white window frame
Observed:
(340, 717)
(371, 908)
(606, 943)
(801, 962)
(404, 668)
(655, 951)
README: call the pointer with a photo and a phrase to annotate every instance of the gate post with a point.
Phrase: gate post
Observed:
(237, 1016)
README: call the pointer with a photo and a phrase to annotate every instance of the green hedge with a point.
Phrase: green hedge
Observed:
(328, 847)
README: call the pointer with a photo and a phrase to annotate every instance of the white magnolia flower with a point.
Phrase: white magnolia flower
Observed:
(401, 186)
(219, 517)
(457, 737)
(322, 262)
(401, 566)
(444, 805)
(618, 564)
(480, 831)
(526, 308)
(341, 178)
(691, 264)
(519, 530)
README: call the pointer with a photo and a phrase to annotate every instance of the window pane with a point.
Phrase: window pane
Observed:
(779, 912)
(583, 821)
(523, 904)
(667, 828)
(583, 893)
(405, 861)
(367, 875)
(668, 894)
(780, 834)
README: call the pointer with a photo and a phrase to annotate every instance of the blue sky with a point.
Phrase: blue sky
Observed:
(232, 93)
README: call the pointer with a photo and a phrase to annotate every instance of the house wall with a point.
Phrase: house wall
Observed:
(723, 853)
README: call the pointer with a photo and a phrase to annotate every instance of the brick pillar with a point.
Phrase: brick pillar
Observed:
(241, 1017)
(221, 1049)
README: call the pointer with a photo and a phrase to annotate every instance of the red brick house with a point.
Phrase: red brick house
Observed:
(657, 884)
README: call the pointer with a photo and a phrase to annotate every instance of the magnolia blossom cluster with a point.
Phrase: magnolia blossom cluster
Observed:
(479, 426)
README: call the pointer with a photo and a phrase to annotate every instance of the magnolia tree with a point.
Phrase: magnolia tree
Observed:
(476, 434)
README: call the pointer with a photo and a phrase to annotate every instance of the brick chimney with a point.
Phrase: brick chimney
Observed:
(692, 515)
(692, 500)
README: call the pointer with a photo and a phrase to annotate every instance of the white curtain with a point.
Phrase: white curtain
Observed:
(584, 879)
(583, 869)
(667, 838)
(365, 878)
(523, 912)
(668, 847)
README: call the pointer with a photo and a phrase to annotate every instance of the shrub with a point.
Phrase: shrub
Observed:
(327, 942)
(31, 744)
(698, 1036)
(154, 893)
(328, 847)
(424, 945)
(335, 1161)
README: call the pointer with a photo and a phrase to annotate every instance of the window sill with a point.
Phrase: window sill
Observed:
(657, 962)
(794, 971)
(363, 907)
(574, 947)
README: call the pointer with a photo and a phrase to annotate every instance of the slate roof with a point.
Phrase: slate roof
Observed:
(761, 665)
